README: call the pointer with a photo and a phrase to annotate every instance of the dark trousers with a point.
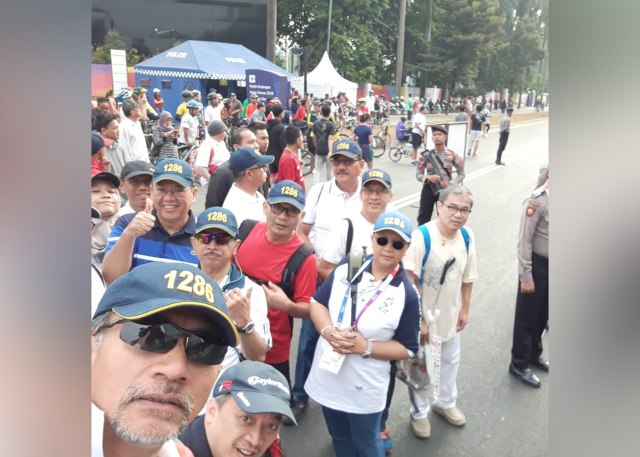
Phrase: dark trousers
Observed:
(504, 137)
(392, 386)
(283, 367)
(427, 200)
(307, 342)
(532, 314)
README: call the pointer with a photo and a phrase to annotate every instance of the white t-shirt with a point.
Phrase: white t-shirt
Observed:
(258, 314)
(132, 140)
(463, 270)
(189, 122)
(212, 113)
(326, 205)
(419, 120)
(126, 209)
(220, 156)
(360, 387)
(244, 205)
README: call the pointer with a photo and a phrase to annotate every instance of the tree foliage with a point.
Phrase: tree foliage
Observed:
(113, 40)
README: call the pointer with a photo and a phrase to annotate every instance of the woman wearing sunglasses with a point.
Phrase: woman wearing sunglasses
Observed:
(364, 324)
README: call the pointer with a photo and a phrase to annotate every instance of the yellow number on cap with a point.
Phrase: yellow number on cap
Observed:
(394, 221)
(376, 174)
(286, 190)
(200, 286)
(217, 216)
(342, 146)
(173, 167)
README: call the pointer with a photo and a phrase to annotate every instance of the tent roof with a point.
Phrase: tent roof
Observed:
(207, 60)
(326, 75)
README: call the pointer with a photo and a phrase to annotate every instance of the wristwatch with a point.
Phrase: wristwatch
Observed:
(367, 352)
(247, 328)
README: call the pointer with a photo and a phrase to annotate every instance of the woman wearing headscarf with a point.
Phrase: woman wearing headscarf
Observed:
(365, 319)
(164, 137)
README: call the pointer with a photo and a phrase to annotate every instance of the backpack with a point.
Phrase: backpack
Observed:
(293, 264)
(427, 245)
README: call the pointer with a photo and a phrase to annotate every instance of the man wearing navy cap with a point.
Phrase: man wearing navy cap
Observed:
(250, 173)
(135, 184)
(163, 230)
(159, 335)
(216, 244)
(248, 425)
(263, 255)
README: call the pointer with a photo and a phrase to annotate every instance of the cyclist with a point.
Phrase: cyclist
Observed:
(182, 108)
(189, 124)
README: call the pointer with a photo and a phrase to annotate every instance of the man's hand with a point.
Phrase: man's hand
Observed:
(463, 318)
(276, 298)
(142, 223)
(239, 306)
(424, 332)
(106, 164)
(527, 287)
(433, 178)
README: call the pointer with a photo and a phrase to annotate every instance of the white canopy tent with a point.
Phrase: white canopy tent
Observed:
(324, 79)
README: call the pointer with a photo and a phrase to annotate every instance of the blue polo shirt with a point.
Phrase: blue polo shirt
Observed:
(157, 245)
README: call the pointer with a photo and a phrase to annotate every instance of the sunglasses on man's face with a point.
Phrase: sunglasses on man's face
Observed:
(219, 238)
(201, 346)
(383, 241)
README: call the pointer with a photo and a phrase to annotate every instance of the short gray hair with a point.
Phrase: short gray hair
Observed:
(98, 322)
(455, 190)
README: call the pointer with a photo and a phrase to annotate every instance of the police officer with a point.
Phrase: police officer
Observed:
(434, 170)
(532, 303)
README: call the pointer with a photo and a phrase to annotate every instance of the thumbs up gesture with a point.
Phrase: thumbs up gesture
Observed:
(142, 223)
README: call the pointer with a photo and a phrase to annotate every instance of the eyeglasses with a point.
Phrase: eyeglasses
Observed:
(397, 245)
(261, 167)
(204, 347)
(342, 161)
(219, 238)
(162, 192)
(375, 191)
(453, 209)
(278, 208)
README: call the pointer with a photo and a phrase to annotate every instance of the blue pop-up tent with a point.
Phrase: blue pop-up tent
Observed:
(201, 65)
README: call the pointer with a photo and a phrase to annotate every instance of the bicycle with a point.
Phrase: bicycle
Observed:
(398, 152)
(379, 145)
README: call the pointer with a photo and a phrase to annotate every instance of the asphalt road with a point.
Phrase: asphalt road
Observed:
(504, 417)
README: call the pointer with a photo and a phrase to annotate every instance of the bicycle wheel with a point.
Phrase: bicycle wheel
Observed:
(378, 147)
(307, 162)
(395, 154)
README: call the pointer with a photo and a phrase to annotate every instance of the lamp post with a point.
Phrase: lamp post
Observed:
(303, 53)
(329, 25)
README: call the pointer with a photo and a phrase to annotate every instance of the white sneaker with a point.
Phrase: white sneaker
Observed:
(421, 427)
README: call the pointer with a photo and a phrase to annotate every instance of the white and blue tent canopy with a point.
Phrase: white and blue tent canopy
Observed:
(207, 60)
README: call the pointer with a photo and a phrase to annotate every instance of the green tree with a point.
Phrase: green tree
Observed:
(113, 40)
(363, 35)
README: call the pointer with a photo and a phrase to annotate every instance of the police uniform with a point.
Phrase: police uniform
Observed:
(429, 164)
(532, 309)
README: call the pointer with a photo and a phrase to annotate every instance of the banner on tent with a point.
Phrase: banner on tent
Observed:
(267, 85)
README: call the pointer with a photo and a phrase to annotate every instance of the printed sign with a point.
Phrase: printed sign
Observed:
(267, 85)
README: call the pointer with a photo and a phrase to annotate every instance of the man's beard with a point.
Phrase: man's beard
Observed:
(153, 434)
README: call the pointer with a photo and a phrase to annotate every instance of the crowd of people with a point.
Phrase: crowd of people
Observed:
(369, 286)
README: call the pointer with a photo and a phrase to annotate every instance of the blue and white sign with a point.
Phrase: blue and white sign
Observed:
(267, 85)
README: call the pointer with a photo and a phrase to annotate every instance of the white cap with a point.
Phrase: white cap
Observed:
(155, 90)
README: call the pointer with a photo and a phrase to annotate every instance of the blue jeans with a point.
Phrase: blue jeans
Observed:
(307, 343)
(354, 435)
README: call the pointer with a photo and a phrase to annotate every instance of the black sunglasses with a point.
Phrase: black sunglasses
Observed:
(383, 241)
(291, 211)
(219, 238)
(201, 346)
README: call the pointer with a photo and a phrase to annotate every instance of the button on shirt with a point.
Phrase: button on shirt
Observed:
(326, 205)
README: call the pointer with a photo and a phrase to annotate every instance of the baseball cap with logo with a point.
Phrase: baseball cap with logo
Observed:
(245, 158)
(347, 148)
(396, 222)
(377, 175)
(217, 217)
(175, 170)
(155, 287)
(136, 168)
(257, 388)
(287, 192)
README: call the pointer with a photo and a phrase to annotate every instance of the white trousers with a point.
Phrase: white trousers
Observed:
(449, 365)
(322, 162)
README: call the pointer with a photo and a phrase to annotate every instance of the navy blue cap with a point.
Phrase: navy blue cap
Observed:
(287, 192)
(244, 158)
(347, 148)
(396, 222)
(155, 287)
(136, 168)
(376, 174)
(217, 217)
(257, 388)
(174, 169)
(97, 142)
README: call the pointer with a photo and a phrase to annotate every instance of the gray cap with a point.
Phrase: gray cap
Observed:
(215, 127)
